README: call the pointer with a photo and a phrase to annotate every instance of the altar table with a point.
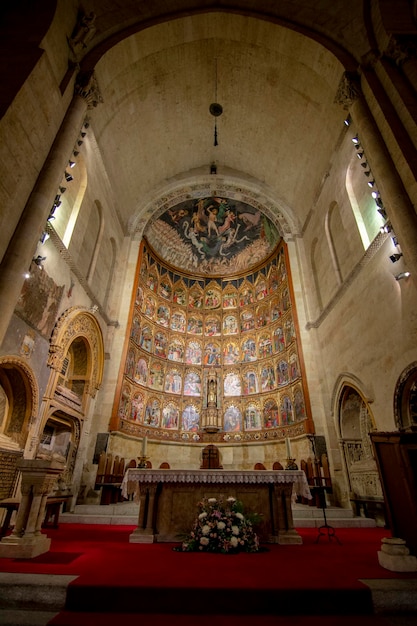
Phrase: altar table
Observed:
(168, 500)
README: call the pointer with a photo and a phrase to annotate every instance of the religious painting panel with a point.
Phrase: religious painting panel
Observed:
(232, 421)
(230, 353)
(149, 307)
(275, 309)
(156, 376)
(178, 322)
(212, 354)
(141, 371)
(137, 407)
(139, 298)
(170, 416)
(190, 419)
(282, 373)
(152, 281)
(261, 289)
(212, 298)
(179, 295)
(195, 325)
(294, 367)
(192, 383)
(230, 325)
(135, 330)
(124, 403)
(253, 418)
(249, 350)
(193, 353)
(264, 346)
(176, 351)
(173, 381)
(230, 299)
(270, 413)
(145, 341)
(247, 321)
(289, 331)
(153, 413)
(162, 315)
(212, 326)
(262, 316)
(165, 288)
(250, 382)
(279, 342)
(273, 279)
(232, 384)
(286, 302)
(160, 345)
(195, 298)
(287, 410)
(246, 296)
(268, 378)
(130, 363)
(299, 405)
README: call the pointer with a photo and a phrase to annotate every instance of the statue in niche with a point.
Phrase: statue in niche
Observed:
(212, 392)
(84, 30)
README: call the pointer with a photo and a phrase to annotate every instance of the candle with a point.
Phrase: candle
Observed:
(144, 442)
(288, 447)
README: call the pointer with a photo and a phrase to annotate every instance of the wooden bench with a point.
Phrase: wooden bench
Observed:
(53, 509)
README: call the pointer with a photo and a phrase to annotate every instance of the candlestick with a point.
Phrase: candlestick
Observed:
(144, 444)
(288, 447)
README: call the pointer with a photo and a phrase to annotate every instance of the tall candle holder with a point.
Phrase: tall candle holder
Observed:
(142, 462)
(291, 464)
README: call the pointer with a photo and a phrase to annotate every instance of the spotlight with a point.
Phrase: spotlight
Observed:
(87, 124)
(80, 142)
(359, 155)
(379, 203)
(57, 201)
(38, 260)
(402, 275)
(348, 121)
(368, 173)
(62, 189)
(355, 140)
(364, 164)
(75, 153)
(44, 237)
(375, 194)
(71, 163)
(213, 168)
(26, 275)
(382, 213)
(68, 177)
(51, 217)
(371, 183)
(83, 135)
(395, 257)
(394, 239)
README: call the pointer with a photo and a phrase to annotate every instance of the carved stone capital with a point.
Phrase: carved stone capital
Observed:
(349, 90)
(87, 87)
(401, 49)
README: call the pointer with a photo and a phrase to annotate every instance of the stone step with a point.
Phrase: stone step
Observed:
(127, 514)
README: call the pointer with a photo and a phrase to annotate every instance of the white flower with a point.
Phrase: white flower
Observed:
(205, 530)
(202, 515)
(212, 500)
(235, 530)
(239, 515)
(221, 525)
(231, 499)
(234, 541)
(204, 541)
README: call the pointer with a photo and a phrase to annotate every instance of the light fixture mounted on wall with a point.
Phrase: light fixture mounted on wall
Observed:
(68, 177)
(215, 109)
(395, 257)
(402, 275)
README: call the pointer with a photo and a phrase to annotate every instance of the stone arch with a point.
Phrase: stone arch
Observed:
(405, 399)
(76, 323)
(19, 400)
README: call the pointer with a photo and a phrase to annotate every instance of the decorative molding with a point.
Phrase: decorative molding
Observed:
(86, 86)
(349, 90)
(21, 364)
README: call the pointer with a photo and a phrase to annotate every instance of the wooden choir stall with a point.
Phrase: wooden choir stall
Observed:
(169, 500)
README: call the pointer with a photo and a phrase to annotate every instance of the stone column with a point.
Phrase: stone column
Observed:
(399, 208)
(22, 246)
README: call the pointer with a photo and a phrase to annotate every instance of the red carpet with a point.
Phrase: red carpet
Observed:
(116, 576)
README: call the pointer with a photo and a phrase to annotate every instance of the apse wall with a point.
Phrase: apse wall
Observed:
(186, 329)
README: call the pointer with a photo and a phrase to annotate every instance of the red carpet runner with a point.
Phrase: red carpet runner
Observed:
(116, 577)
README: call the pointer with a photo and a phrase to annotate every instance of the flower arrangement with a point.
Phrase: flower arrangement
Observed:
(221, 527)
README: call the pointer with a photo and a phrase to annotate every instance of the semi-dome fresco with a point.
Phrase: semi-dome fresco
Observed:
(212, 235)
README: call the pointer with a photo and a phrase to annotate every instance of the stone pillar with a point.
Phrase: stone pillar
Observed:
(144, 533)
(22, 246)
(399, 208)
(27, 540)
